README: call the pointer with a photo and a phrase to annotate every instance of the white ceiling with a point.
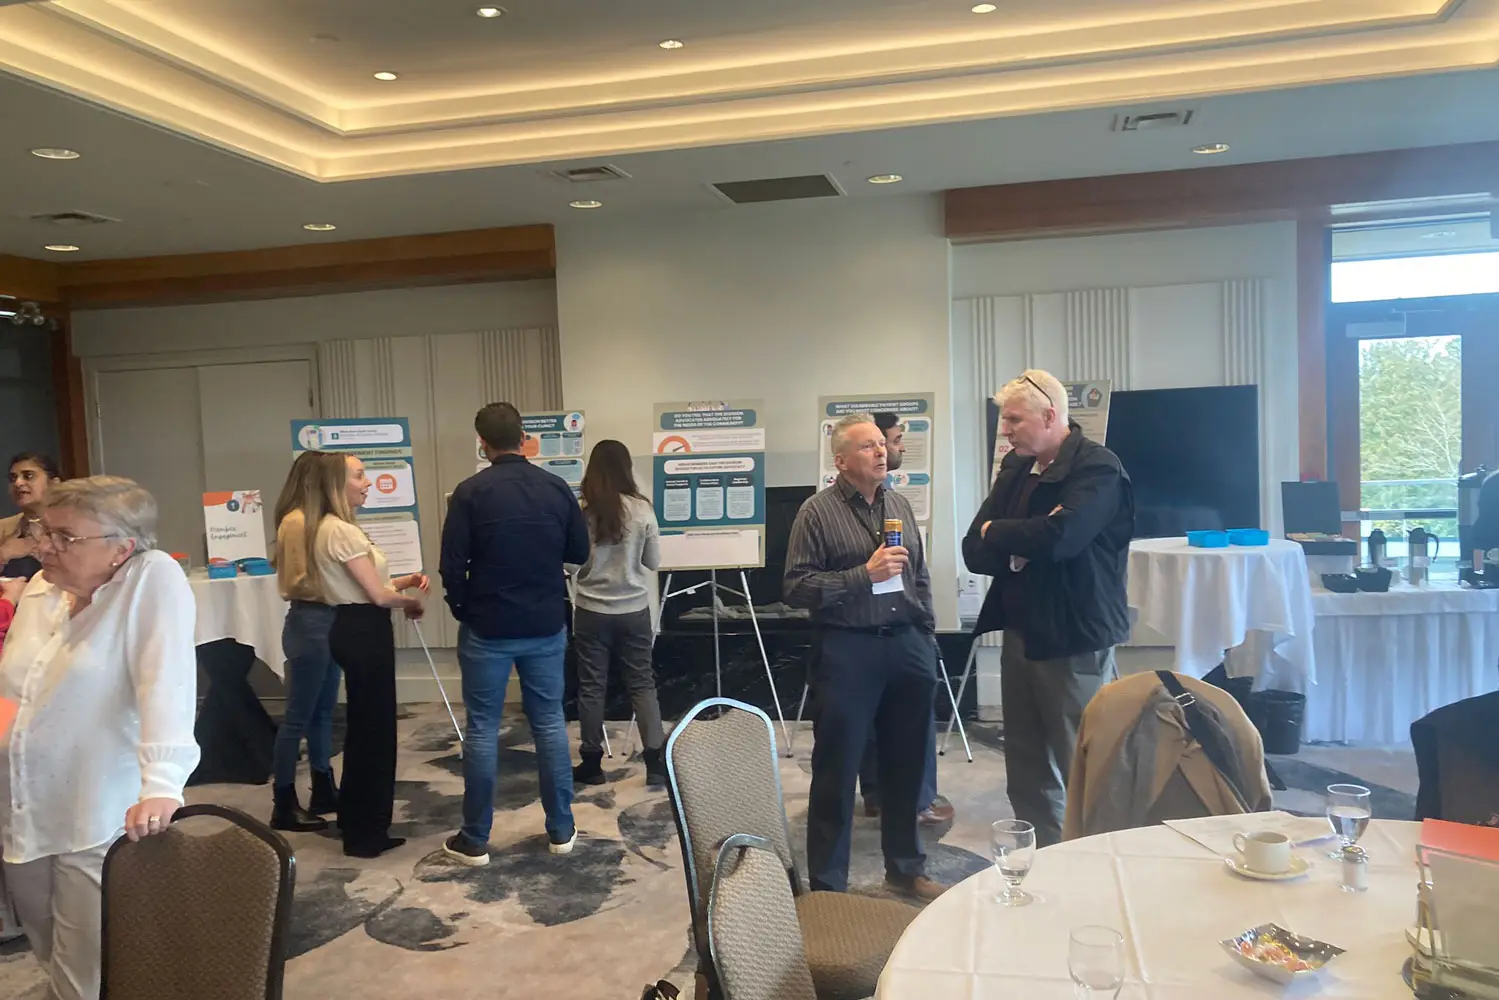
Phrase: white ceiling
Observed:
(289, 82)
(173, 194)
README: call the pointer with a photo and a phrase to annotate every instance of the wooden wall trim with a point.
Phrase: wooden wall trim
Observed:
(32, 280)
(69, 398)
(1313, 277)
(1204, 196)
(509, 254)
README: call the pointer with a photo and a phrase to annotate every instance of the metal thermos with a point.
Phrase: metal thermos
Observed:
(1421, 548)
(1376, 548)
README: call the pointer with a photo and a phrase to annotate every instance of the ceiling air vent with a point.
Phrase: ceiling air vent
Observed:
(778, 189)
(1152, 120)
(73, 220)
(590, 175)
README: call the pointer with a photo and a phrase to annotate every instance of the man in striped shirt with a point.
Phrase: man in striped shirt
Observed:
(877, 672)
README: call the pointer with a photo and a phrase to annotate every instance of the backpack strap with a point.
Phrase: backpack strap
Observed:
(1204, 732)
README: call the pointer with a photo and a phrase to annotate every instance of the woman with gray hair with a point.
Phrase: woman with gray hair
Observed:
(100, 662)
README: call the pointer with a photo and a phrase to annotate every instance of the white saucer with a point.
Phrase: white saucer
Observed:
(1299, 867)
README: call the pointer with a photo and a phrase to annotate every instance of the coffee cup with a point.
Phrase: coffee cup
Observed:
(1266, 851)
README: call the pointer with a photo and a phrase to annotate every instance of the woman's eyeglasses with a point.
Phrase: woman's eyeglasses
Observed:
(61, 541)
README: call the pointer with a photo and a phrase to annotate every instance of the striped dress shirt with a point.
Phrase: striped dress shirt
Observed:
(835, 533)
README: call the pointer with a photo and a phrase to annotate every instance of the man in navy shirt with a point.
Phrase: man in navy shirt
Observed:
(509, 530)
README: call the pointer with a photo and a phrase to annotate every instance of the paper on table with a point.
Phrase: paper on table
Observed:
(1217, 833)
(890, 586)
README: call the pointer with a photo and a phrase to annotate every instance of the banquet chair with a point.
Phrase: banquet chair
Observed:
(752, 928)
(1145, 755)
(200, 910)
(1457, 761)
(724, 779)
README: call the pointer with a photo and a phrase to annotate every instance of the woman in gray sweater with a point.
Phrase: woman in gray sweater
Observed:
(611, 609)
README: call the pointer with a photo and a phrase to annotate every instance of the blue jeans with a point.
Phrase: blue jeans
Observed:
(485, 666)
(311, 690)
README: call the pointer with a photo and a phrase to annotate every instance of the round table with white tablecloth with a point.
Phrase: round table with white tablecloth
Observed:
(247, 609)
(234, 730)
(1173, 900)
(1385, 660)
(1204, 602)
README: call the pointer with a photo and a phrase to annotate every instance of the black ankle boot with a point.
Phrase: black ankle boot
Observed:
(655, 770)
(591, 771)
(324, 794)
(289, 815)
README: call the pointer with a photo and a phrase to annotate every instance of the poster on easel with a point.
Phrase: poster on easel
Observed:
(913, 413)
(1087, 406)
(390, 515)
(708, 464)
(235, 523)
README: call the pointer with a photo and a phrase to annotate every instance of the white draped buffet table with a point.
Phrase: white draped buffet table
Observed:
(1204, 602)
(1173, 900)
(247, 609)
(1385, 660)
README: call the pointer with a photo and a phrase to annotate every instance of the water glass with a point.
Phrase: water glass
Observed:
(1095, 960)
(1014, 844)
(1348, 813)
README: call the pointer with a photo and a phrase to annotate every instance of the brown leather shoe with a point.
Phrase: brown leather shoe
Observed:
(939, 812)
(916, 887)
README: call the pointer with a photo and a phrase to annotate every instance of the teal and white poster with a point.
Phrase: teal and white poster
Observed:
(913, 414)
(708, 467)
(390, 515)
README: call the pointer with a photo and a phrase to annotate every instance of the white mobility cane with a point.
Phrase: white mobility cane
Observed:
(418, 626)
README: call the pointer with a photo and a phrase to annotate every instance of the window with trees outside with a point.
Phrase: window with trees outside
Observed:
(1414, 347)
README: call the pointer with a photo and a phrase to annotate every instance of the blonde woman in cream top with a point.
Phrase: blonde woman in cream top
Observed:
(354, 577)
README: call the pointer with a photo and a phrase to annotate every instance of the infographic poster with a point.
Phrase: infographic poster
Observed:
(390, 515)
(1087, 406)
(708, 460)
(235, 525)
(912, 413)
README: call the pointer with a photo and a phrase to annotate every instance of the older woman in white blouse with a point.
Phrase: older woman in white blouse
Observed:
(101, 665)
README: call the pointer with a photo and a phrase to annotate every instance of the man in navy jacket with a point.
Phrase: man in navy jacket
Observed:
(509, 530)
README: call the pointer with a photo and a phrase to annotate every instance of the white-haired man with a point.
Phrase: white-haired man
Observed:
(877, 672)
(1054, 533)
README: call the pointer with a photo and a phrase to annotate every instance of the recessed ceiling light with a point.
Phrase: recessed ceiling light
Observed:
(61, 248)
(1210, 148)
(490, 12)
(55, 153)
(387, 75)
(319, 227)
(1440, 234)
(586, 203)
(886, 179)
(671, 43)
(984, 8)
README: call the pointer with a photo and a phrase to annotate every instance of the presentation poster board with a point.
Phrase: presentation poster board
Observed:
(708, 466)
(1087, 406)
(390, 515)
(913, 480)
(235, 522)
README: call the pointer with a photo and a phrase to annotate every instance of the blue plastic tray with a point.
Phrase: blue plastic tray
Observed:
(1248, 536)
(1207, 539)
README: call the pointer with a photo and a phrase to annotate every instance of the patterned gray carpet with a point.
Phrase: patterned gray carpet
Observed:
(595, 925)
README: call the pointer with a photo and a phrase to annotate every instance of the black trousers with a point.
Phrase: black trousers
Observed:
(869, 683)
(363, 643)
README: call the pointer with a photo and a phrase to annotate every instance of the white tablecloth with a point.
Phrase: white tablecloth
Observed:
(1207, 601)
(1385, 660)
(1173, 901)
(247, 609)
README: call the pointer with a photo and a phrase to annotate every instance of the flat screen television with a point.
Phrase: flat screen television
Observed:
(1193, 456)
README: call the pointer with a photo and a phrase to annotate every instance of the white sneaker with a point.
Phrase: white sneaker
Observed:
(566, 848)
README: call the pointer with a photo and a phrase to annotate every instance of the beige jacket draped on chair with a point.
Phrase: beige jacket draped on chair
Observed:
(1136, 763)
